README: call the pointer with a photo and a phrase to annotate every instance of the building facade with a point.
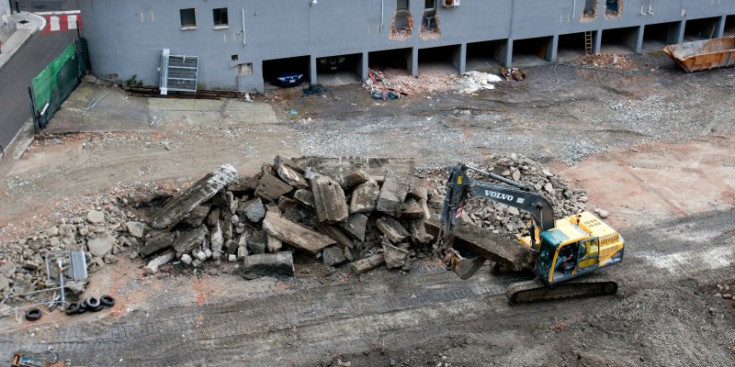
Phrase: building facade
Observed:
(241, 44)
(7, 26)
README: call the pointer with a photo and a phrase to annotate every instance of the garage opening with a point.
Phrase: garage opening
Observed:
(439, 59)
(656, 36)
(572, 46)
(486, 56)
(533, 51)
(395, 60)
(699, 29)
(730, 25)
(619, 41)
(339, 69)
(289, 72)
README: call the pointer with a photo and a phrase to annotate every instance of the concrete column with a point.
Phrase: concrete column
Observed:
(721, 26)
(598, 42)
(312, 70)
(365, 65)
(508, 62)
(638, 48)
(414, 68)
(459, 59)
(679, 34)
(552, 54)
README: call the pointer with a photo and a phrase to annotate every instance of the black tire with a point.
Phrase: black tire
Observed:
(33, 314)
(93, 304)
(72, 309)
(82, 307)
(107, 301)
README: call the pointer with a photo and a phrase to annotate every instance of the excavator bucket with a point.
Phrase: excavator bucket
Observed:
(466, 268)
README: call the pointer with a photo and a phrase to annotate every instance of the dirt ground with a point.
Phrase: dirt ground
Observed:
(649, 143)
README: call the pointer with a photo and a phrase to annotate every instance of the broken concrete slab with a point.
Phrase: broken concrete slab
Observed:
(181, 205)
(356, 225)
(419, 188)
(295, 234)
(269, 264)
(100, 245)
(483, 242)
(253, 209)
(412, 210)
(367, 264)
(393, 194)
(364, 197)
(273, 244)
(136, 229)
(329, 200)
(247, 183)
(395, 257)
(216, 241)
(188, 241)
(392, 229)
(333, 256)
(291, 176)
(157, 243)
(159, 260)
(305, 197)
(418, 232)
(335, 233)
(271, 187)
(353, 179)
(196, 217)
(257, 242)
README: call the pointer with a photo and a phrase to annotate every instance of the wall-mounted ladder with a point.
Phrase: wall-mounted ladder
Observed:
(588, 39)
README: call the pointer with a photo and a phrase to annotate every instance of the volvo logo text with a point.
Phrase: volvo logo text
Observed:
(499, 195)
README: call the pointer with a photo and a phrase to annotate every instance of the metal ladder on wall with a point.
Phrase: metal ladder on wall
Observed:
(588, 39)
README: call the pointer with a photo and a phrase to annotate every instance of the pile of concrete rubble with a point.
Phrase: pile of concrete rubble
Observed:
(102, 233)
(366, 212)
(357, 212)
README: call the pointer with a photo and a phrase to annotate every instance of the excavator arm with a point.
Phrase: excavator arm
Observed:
(460, 187)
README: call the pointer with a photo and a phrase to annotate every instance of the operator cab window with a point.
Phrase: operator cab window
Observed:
(188, 18)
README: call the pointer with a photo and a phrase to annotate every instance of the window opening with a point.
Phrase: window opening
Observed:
(430, 21)
(234, 57)
(402, 26)
(188, 18)
(613, 7)
(590, 8)
(220, 17)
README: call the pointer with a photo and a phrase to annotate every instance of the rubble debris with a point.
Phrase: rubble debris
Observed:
(305, 197)
(271, 188)
(159, 260)
(188, 241)
(178, 207)
(333, 256)
(95, 216)
(295, 234)
(392, 229)
(335, 233)
(392, 194)
(136, 229)
(253, 209)
(280, 263)
(273, 244)
(292, 177)
(356, 225)
(101, 244)
(395, 257)
(329, 200)
(511, 74)
(156, 243)
(365, 197)
(353, 179)
(367, 264)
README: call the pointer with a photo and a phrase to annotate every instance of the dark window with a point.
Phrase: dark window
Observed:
(220, 17)
(430, 4)
(188, 17)
(590, 7)
(234, 57)
(612, 6)
(402, 5)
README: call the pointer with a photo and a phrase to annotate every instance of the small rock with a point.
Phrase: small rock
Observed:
(232, 258)
(95, 216)
(186, 259)
(548, 187)
(53, 231)
(727, 296)
(603, 213)
(100, 245)
(136, 229)
(333, 256)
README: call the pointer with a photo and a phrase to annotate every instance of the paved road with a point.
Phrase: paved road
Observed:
(16, 76)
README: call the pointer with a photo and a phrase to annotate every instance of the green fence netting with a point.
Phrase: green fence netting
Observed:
(54, 84)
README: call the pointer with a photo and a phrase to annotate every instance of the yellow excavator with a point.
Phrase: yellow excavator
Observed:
(561, 251)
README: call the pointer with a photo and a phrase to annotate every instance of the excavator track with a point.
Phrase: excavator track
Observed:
(536, 291)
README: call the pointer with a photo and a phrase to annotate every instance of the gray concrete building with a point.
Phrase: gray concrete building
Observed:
(7, 26)
(242, 44)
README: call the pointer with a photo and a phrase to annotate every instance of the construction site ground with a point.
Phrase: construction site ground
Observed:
(650, 144)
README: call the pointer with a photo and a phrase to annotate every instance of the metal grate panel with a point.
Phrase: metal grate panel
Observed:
(178, 72)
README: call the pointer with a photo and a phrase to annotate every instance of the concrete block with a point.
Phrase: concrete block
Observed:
(271, 187)
(393, 194)
(295, 234)
(329, 200)
(364, 197)
(269, 264)
(392, 229)
(367, 264)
